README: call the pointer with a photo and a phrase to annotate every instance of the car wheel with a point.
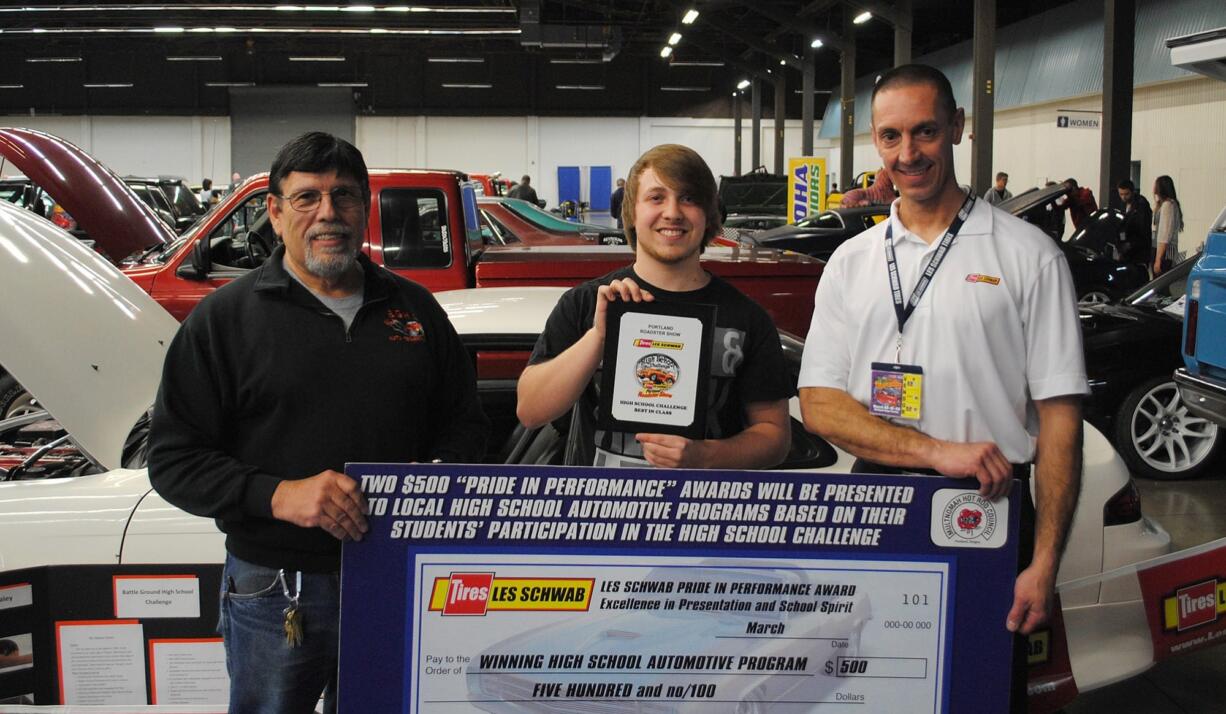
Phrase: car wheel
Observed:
(1094, 296)
(15, 400)
(1158, 438)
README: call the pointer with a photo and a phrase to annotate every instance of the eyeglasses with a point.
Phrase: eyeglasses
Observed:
(344, 198)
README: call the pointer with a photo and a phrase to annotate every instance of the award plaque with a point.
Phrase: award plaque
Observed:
(657, 363)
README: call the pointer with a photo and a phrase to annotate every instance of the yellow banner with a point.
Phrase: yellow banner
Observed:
(555, 594)
(806, 187)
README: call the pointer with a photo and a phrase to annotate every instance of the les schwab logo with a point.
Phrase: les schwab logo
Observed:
(478, 593)
(1194, 605)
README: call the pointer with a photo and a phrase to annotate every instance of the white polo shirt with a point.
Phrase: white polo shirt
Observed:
(996, 329)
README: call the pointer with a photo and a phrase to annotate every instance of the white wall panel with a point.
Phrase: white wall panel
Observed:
(387, 142)
(1176, 130)
(476, 144)
(191, 147)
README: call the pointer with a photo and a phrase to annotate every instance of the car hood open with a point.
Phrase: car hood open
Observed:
(76, 332)
(106, 209)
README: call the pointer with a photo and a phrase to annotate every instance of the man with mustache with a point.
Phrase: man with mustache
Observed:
(671, 212)
(316, 358)
(975, 311)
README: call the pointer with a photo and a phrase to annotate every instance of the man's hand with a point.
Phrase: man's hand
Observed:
(981, 460)
(623, 289)
(329, 500)
(669, 451)
(1033, 594)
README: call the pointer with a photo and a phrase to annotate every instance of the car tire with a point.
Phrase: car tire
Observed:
(1094, 296)
(15, 399)
(1159, 439)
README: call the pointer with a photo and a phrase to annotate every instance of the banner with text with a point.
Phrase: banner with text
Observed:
(806, 188)
(521, 589)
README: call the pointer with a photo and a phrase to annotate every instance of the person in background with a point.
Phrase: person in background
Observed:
(1168, 224)
(615, 201)
(881, 193)
(274, 382)
(1137, 244)
(524, 190)
(998, 193)
(206, 192)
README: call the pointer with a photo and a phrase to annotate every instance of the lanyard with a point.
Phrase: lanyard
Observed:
(903, 311)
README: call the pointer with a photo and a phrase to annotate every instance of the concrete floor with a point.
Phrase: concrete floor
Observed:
(1193, 512)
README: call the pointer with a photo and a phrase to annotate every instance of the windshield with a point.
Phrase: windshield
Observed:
(184, 200)
(1164, 290)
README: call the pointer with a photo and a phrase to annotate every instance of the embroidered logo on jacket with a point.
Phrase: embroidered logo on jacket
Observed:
(979, 278)
(404, 327)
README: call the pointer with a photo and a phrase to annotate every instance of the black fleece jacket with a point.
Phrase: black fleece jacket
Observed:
(263, 383)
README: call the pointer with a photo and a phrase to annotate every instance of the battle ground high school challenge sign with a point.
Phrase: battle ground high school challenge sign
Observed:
(542, 589)
(806, 188)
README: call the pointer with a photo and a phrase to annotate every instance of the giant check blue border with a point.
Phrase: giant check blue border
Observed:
(377, 634)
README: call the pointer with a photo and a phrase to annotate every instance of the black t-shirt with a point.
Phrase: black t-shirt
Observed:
(747, 362)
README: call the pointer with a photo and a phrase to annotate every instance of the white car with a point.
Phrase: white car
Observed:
(90, 344)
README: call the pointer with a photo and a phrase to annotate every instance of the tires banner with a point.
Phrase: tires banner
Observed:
(1185, 599)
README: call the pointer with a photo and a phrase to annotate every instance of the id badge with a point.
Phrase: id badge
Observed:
(897, 390)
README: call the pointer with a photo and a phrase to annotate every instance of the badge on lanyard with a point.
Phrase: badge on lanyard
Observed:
(897, 390)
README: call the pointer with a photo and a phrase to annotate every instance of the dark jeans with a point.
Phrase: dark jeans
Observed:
(267, 676)
(1018, 697)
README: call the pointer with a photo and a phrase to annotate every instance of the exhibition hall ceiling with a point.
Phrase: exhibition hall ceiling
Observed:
(468, 57)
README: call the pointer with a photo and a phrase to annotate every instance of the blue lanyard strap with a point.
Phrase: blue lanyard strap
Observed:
(903, 310)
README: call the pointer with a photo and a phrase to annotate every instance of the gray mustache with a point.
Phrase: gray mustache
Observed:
(329, 228)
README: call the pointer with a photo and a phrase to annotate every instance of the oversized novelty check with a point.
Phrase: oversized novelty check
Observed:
(508, 589)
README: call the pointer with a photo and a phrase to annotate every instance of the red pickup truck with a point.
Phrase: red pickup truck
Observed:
(423, 224)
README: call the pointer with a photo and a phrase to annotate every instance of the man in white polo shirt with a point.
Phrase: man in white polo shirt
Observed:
(946, 339)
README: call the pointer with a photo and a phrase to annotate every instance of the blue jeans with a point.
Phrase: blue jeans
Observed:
(267, 676)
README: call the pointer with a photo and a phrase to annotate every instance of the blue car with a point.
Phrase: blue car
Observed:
(1202, 383)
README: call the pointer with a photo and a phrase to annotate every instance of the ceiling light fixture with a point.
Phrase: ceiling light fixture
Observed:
(690, 16)
(251, 7)
(666, 51)
(467, 86)
(52, 59)
(685, 89)
(107, 85)
(817, 42)
(415, 31)
(674, 38)
(863, 18)
(169, 30)
(696, 63)
(556, 60)
(12, 86)
(316, 59)
(342, 84)
(191, 58)
(581, 87)
(229, 84)
(742, 84)
(455, 60)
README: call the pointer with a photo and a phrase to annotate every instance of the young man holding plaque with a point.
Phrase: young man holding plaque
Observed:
(946, 339)
(671, 213)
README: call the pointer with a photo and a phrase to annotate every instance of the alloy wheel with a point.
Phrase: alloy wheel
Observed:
(1166, 436)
